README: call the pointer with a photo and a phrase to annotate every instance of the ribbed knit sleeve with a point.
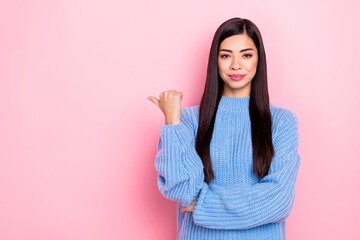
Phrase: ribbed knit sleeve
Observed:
(245, 205)
(180, 169)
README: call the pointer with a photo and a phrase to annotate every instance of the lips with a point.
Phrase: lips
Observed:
(236, 77)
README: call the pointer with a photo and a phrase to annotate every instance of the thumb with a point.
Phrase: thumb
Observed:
(154, 100)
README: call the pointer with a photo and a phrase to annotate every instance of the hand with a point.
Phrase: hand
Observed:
(170, 105)
(189, 209)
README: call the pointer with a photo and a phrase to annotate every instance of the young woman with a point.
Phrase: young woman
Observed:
(231, 162)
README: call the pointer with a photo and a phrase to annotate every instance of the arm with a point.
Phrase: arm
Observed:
(180, 169)
(245, 205)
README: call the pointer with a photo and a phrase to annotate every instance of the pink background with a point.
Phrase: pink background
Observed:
(78, 137)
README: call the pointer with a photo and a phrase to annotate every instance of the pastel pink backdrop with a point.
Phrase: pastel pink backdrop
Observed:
(78, 137)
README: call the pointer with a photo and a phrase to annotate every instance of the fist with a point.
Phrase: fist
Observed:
(169, 103)
(189, 209)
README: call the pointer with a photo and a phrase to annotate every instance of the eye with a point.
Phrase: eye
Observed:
(222, 56)
(246, 54)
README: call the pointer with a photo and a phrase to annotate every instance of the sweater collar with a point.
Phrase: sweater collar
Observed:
(234, 104)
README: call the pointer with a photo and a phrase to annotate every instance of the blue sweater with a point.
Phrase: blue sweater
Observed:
(236, 204)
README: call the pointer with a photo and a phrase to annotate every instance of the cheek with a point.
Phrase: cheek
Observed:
(224, 64)
(251, 66)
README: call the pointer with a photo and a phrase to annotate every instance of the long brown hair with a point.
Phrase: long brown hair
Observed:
(259, 108)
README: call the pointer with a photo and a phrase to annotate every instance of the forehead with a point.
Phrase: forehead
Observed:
(238, 42)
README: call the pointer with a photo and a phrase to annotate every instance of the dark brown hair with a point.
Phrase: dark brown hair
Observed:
(259, 108)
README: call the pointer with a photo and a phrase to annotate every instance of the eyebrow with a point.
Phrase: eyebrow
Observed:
(243, 50)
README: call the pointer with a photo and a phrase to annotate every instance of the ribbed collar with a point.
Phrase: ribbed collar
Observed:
(234, 104)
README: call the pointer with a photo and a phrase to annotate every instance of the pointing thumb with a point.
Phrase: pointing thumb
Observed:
(154, 100)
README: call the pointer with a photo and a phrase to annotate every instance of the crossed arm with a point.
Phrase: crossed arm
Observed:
(236, 206)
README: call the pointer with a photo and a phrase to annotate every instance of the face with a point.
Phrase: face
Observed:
(237, 55)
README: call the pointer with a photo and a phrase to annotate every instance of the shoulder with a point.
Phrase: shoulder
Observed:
(281, 115)
(192, 111)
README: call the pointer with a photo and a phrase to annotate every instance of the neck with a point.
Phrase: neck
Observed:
(234, 104)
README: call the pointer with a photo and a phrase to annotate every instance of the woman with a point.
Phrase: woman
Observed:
(231, 162)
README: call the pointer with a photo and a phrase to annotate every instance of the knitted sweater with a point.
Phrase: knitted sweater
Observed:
(236, 204)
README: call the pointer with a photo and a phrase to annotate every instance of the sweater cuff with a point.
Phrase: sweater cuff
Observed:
(178, 132)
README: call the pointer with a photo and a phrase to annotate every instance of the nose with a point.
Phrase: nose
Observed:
(235, 65)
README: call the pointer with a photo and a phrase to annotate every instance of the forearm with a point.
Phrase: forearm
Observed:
(243, 205)
(180, 169)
